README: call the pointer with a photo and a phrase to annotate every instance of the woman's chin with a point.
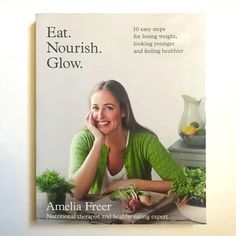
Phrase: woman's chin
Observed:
(104, 130)
(107, 132)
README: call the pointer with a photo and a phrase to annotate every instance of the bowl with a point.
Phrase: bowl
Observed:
(193, 213)
(194, 140)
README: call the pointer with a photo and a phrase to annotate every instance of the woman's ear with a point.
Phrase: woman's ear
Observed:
(123, 113)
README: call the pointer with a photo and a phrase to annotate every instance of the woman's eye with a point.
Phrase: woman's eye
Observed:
(109, 108)
(95, 108)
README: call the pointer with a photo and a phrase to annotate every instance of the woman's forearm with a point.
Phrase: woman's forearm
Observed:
(84, 176)
(161, 186)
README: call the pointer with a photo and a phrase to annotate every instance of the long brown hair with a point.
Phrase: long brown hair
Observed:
(118, 91)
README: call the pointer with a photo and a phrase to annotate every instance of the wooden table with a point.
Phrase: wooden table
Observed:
(88, 211)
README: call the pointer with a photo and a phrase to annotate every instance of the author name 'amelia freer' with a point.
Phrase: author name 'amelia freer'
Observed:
(72, 206)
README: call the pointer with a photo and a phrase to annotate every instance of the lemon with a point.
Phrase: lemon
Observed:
(189, 130)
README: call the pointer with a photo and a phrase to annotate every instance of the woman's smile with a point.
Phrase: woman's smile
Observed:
(102, 123)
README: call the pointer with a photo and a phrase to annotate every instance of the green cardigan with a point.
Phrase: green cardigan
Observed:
(144, 152)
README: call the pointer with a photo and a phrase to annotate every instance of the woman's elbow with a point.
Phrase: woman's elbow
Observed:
(78, 194)
(79, 191)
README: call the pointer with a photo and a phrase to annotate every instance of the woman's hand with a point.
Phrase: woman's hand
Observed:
(91, 125)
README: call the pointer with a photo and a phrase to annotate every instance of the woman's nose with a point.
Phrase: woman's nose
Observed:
(100, 113)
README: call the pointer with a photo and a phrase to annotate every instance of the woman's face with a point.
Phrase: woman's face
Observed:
(106, 112)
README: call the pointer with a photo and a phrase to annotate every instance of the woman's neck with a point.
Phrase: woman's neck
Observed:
(117, 140)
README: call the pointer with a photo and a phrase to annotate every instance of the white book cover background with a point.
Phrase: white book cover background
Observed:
(157, 57)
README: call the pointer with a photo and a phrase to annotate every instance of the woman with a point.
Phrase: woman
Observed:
(115, 151)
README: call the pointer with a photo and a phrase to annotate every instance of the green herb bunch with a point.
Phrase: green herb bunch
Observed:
(130, 192)
(50, 181)
(194, 185)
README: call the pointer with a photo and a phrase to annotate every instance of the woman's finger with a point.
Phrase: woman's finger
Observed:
(105, 191)
(89, 118)
(113, 186)
(88, 114)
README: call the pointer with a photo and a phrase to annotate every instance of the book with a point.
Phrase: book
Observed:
(156, 57)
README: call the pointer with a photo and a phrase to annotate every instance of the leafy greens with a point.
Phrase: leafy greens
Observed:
(194, 185)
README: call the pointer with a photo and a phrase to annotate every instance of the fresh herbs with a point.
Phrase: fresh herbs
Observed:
(194, 186)
(130, 192)
(51, 181)
(131, 198)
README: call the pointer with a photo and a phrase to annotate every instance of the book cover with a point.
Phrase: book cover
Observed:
(160, 61)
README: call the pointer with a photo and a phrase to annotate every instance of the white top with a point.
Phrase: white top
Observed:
(108, 178)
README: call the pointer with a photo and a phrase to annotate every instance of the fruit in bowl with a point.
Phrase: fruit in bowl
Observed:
(193, 135)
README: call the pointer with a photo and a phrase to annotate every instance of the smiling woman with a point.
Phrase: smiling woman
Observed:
(106, 112)
(115, 151)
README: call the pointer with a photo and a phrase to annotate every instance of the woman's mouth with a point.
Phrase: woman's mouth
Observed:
(102, 123)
